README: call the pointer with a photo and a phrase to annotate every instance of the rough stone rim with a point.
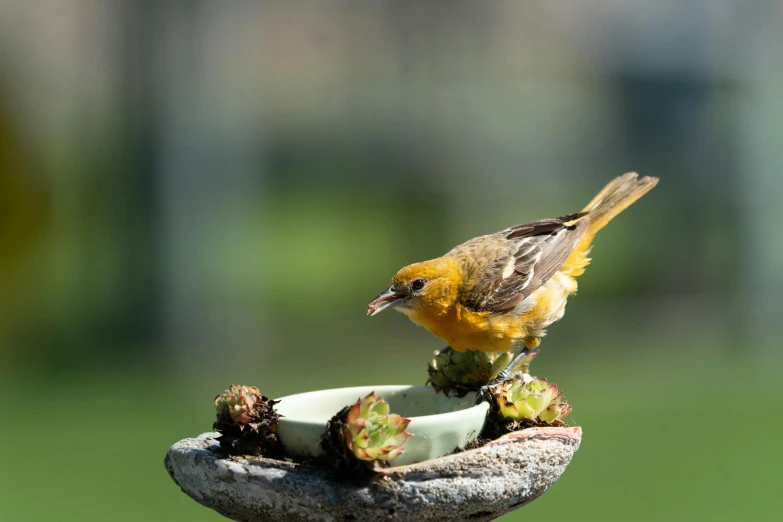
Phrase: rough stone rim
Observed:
(571, 435)
(530, 459)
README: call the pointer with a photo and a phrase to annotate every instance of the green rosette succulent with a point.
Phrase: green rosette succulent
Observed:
(529, 401)
(247, 421)
(372, 433)
(459, 373)
(364, 436)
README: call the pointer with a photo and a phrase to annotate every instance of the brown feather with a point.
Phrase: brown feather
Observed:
(537, 249)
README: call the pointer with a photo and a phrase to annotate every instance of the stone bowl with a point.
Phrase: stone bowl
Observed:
(471, 486)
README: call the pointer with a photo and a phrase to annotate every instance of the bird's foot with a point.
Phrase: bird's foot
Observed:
(484, 393)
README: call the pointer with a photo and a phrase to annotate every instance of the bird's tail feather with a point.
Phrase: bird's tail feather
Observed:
(615, 197)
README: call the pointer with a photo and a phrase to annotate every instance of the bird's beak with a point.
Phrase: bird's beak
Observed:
(387, 299)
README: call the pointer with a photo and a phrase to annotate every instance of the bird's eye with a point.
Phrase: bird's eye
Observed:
(417, 284)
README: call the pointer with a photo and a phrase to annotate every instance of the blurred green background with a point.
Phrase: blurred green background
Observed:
(194, 194)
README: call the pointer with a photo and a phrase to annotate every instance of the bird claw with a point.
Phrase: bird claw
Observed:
(484, 393)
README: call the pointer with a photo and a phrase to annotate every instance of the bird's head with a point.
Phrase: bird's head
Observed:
(432, 285)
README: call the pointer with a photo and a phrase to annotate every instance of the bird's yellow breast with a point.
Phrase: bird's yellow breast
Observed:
(465, 329)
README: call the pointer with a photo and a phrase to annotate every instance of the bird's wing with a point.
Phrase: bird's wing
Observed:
(506, 267)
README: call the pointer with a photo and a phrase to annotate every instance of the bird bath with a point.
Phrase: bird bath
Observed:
(429, 482)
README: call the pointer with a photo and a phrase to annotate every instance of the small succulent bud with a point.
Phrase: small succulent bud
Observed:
(238, 403)
(463, 372)
(531, 401)
(372, 433)
(364, 436)
(247, 422)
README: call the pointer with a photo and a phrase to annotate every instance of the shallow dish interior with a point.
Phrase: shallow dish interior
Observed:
(408, 401)
(439, 424)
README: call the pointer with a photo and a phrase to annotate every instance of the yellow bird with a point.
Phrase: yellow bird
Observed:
(501, 291)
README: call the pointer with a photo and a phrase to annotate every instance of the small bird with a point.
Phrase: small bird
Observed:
(501, 291)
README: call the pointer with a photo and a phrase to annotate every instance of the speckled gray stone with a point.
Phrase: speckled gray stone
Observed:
(476, 485)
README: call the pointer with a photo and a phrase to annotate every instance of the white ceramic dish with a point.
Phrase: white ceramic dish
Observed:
(438, 426)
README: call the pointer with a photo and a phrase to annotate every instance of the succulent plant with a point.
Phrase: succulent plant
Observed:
(238, 403)
(365, 435)
(247, 422)
(529, 401)
(372, 433)
(462, 372)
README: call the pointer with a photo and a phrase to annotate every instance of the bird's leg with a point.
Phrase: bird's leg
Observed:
(483, 393)
(516, 361)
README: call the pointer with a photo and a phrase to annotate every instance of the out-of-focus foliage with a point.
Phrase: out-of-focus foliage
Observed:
(23, 214)
(196, 193)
